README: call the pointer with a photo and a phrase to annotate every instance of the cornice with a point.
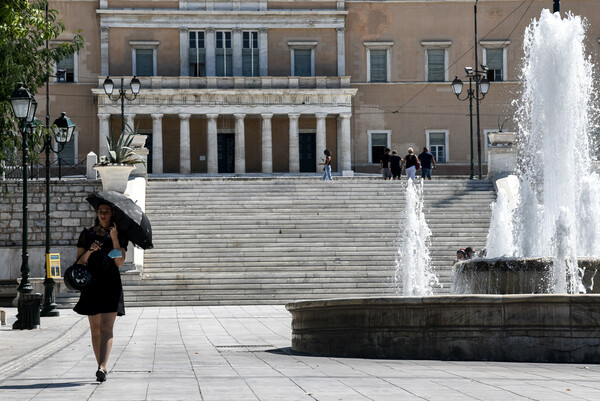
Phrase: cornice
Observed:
(219, 19)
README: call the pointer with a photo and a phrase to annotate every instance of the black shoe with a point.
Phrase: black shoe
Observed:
(101, 375)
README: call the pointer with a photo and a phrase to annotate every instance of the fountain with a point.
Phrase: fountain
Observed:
(554, 244)
(527, 301)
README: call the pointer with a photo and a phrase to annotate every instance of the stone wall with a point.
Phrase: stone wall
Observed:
(69, 211)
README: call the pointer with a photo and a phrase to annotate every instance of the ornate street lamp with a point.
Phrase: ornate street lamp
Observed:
(62, 130)
(28, 312)
(484, 86)
(135, 86)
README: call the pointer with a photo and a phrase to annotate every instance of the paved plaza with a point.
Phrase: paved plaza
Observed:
(243, 353)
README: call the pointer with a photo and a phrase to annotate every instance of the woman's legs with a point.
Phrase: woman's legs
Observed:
(101, 326)
(327, 173)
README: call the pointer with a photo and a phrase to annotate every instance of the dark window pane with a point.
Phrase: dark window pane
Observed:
(378, 65)
(65, 69)
(494, 61)
(144, 62)
(435, 65)
(302, 62)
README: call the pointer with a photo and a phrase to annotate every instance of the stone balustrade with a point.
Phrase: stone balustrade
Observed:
(326, 82)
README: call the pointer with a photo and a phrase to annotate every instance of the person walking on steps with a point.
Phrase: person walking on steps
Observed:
(102, 248)
(395, 165)
(427, 163)
(411, 162)
(327, 165)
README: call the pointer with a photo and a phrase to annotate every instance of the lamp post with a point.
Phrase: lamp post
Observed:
(482, 87)
(28, 312)
(135, 87)
(62, 129)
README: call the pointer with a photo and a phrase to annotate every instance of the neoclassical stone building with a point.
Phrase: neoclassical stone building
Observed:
(265, 86)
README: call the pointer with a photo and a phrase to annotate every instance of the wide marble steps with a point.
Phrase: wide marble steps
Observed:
(254, 241)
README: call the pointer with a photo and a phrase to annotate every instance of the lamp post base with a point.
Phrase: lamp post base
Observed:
(28, 311)
(49, 308)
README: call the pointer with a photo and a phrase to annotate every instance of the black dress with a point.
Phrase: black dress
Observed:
(105, 293)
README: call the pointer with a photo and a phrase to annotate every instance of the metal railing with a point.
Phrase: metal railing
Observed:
(59, 168)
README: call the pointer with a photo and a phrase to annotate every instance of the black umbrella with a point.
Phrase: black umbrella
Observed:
(129, 217)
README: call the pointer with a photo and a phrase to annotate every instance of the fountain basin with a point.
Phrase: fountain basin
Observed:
(526, 328)
(515, 276)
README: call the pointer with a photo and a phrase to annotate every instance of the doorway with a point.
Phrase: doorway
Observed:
(308, 157)
(226, 149)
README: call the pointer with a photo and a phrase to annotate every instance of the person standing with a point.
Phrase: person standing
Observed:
(102, 248)
(395, 165)
(427, 163)
(327, 165)
(410, 161)
(384, 165)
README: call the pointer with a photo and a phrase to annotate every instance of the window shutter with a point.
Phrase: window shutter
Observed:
(302, 62)
(144, 61)
(378, 65)
(436, 66)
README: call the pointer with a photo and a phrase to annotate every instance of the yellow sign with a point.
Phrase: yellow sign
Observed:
(53, 265)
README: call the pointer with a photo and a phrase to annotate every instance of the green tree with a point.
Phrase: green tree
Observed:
(25, 25)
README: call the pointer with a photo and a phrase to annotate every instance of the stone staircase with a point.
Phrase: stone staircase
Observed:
(257, 241)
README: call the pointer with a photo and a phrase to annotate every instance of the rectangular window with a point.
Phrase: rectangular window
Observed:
(197, 54)
(223, 54)
(144, 62)
(378, 70)
(302, 62)
(65, 69)
(494, 60)
(379, 141)
(250, 54)
(67, 154)
(437, 146)
(436, 65)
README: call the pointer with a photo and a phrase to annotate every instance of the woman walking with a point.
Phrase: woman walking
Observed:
(102, 248)
(410, 161)
(327, 164)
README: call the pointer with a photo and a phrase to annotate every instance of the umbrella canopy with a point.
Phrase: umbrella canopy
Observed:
(129, 217)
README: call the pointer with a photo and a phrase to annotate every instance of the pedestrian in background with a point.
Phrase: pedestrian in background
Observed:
(410, 163)
(384, 165)
(427, 163)
(327, 165)
(395, 165)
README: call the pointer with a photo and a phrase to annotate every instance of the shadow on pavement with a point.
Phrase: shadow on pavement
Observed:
(42, 385)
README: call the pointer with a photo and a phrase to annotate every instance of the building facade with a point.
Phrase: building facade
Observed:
(265, 86)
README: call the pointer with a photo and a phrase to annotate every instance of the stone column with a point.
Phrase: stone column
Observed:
(129, 121)
(157, 144)
(212, 152)
(267, 143)
(103, 133)
(341, 52)
(339, 142)
(263, 52)
(294, 152)
(345, 146)
(321, 137)
(184, 54)
(240, 146)
(104, 50)
(236, 49)
(185, 165)
(210, 44)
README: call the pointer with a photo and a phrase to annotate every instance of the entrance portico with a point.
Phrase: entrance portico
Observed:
(239, 105)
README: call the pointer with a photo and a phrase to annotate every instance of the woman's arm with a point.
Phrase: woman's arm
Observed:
(114, 236)
(85, 253)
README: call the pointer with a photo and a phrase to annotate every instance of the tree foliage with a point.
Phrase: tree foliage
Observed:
(25, 25)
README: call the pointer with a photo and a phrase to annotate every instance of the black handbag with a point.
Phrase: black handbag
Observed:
(78, 277)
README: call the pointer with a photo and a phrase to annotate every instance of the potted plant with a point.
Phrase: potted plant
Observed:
(115, 167)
